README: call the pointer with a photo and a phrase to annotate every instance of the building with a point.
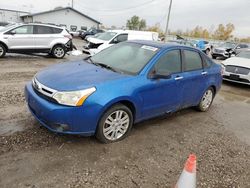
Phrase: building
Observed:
(7, 15)
(68, 17)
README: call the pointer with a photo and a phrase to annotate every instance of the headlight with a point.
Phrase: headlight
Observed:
(73, 98)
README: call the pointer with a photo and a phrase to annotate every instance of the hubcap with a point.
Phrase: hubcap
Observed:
(59, 52)
(207, 99)
(116, 125)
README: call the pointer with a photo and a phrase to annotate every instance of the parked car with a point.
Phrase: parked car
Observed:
(239, 48)
(91, 31)
(203, 45)
(225, 50)
(76, 33)
(237, 69)
(107, 39)
(35, 38)
(104, 95)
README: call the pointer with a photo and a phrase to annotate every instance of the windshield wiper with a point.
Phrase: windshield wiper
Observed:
(105, 66)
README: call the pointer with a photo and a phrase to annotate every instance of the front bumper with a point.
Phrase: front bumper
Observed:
(225, 55)
(237, 78)
(62, 119)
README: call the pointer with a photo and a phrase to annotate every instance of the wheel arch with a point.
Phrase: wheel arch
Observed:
(6, 47)
(126, 102)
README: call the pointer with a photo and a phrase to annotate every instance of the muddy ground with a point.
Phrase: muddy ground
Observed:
(152, 156)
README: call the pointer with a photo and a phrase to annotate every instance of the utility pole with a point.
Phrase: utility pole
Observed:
(72, 3)
(169, 10)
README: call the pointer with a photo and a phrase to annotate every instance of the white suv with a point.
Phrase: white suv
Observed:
(35, 38)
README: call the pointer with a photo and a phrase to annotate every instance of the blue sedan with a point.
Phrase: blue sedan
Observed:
(104, 95)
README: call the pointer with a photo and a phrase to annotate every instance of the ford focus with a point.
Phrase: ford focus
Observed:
(104, 95)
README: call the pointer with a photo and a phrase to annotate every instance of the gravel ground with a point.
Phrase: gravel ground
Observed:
(152, 156)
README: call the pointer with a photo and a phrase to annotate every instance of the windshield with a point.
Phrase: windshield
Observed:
(7, 27)
(244, 54)
(125, 57)
(228, 45)
(106, 36)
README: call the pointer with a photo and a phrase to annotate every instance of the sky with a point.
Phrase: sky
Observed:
(185, 14)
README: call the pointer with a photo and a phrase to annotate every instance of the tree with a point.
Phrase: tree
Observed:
(136, 24)
(157, 28)
(224, 32)
(142, 24)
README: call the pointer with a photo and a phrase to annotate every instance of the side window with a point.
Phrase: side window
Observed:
(206, 62)
(57, 30)
(26, 29)
(169, 63)
(122, 37)
(73, 28)
(44, 30)
(192, 60)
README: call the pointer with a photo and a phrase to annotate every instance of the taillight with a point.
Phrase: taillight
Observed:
(68, 36)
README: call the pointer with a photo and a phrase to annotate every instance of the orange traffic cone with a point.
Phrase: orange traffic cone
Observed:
(188, 175)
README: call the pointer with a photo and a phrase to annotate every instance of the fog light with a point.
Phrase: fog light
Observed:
(60, 127)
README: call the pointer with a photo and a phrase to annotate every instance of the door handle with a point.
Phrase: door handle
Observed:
(204, 73)
(178, 78)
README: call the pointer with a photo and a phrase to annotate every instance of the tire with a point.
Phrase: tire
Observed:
(206, 100)
(58, 51)
(2, 50)
(111, 123)
(207, 51)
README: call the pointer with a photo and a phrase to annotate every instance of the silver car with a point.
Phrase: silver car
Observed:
(35, 38)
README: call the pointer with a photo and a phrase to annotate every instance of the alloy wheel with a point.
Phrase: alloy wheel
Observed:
(59, 52)
(116, 125)
(207, 99)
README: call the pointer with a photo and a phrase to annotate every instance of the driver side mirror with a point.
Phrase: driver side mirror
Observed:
(155, 76)
(115, 41)
(12, 32)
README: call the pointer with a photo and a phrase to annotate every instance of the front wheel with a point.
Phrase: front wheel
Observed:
(58, 51)
(2, 50)
(206, 100)
(115, 124)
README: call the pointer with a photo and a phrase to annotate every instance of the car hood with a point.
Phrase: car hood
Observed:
(237, 61)
(95, 40)
(77, 75)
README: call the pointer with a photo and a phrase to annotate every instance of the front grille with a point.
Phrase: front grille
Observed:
(218, 51)
(43, 91)
(237, 70)
(239, 79)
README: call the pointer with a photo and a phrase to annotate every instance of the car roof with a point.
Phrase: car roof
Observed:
(160, 45)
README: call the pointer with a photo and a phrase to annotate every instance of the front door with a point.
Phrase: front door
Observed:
(163, 95)
(21, 38)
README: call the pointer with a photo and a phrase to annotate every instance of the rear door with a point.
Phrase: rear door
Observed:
(21, 38)
(194, 78)
(44, 35)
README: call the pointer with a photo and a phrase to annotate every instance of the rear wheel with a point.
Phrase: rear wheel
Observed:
(206, 100)
(58, 51)
(2, 50)
(115, 124)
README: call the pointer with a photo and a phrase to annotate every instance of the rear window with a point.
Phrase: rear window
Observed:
(47, 30)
